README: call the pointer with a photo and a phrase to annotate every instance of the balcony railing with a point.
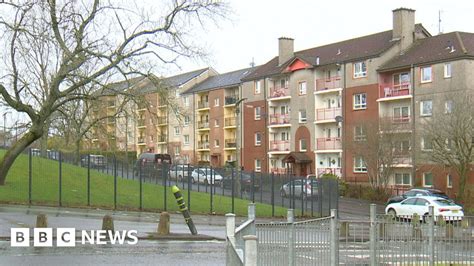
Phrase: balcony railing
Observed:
(202, 105)
(203, 145)
(141, 140)
(279, 92)
(230, 121)
(328, 143)
(231, 99)
(161, 120)
(203, 124)
(162, 138)
(279, 119)
(141, 106)
(402, 157)
(330, 170)
(328, 83)
(394, 90)
(327, 113)
(141, 122)
(230, 143)
(278, 170)
(395, 123)
(279, 145)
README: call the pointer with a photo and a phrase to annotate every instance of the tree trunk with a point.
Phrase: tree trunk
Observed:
(77, 151)
(10, 156)
(462, 183)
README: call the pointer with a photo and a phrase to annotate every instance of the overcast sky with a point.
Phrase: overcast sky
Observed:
(255, 26)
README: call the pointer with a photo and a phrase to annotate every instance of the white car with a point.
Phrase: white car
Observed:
(206, 176)
(419, 205)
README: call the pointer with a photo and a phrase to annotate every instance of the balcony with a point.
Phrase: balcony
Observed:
(231, 99)
(230, 143)
(395, 123)
(278, 170)
(141, 107)
(203, 105)
(328, 144)
(230, 121)
(279, 93)
(333, 170)
(402, 158)
(279, 119)
(326, 84)
(141, 141)
(279, 145)
(394, 91)
(203, 145)
(323, 114)
(162, 139)
(162, 120)
(141, 123)
(203, 124)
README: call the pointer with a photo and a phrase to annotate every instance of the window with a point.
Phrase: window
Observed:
(257, 87)
(186, 101)
(449, 181)
(216, 123)
(177, 149)
(448, 106)
(359, 165)
(426, 144)
(177, 131)
(402, 147)
(360, 101)
(216, 102)
(360, 70)
(426, 74)
(187, 120)
(186, 139)
(402, 179)
(360, 133)
(401, 114)
(258, 111)
(303, 145)
(302, 88)
(258, 139)
(302, 116)
(177, 93)
(427, 179)
(447, 70)
(426, 108)
(258, 165)
(409, 202)
(216, 143)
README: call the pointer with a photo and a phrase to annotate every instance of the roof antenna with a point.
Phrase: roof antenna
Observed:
(252, 64)
(439, 22)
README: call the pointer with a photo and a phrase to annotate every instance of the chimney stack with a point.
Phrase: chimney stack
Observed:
(403, 27)
(285, 49)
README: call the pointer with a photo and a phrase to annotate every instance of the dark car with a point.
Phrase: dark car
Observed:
(151, 162)
(245, 180)
(418, 192)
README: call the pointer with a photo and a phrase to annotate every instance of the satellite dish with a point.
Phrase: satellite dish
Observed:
(339, 119)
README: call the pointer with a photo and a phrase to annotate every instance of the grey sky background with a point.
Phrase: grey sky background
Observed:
(254, 26)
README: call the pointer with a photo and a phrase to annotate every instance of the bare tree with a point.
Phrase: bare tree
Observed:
(381, 146)
(450, 133)
(52, 50)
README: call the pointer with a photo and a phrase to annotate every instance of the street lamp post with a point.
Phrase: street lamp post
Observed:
(237, 112)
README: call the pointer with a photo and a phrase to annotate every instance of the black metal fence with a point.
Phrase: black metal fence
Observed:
(62, 179)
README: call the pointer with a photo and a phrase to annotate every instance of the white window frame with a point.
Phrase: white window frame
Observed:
(216, 143)
(360, 101)
(302, 88)
(301, 118)
(422, 113)
(186, 101)
(187, 120)
(423, 144)
(360, 133)
(258, 88)
(424, 179)
(359, 168)
(186, 139)
(448, 70)
(424, 79)
(177, 150)
(258, 138)
(449, 181)
(177, 131)
(359, 71)
(257, 113)
(216, 122)
(303, 141)
(402, 175)
(448, 106)
(258, 165)
(216, 101)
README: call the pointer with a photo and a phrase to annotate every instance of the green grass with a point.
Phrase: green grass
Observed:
(45, 191)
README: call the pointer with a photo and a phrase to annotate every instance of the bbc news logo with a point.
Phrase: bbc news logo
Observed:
(66, 237)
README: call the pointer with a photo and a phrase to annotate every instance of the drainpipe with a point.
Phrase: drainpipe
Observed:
(413, 135)
(194, 128)
(266, 135)
(344, 118)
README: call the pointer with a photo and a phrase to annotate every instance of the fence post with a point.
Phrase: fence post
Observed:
(213, 176)
(230, 224)
(373, 234)
(190, 186)
(60, 180)
(273, 193)
(30, 175)
(232, 188)
(89, 179)
(251, 216)
(431, 234)
(334, 239)
(291, 237)
(250, 257)
(141, 191)
(115, 182)
(164, 175)
(290, 216)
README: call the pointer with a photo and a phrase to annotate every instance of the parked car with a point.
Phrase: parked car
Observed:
(206, 176)
(53, 155)
(245, 180)
(151, 162)
(420, 204)
(96, 161)
(310, 188)
(179, 171)
(418, 192)
(35, 152)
